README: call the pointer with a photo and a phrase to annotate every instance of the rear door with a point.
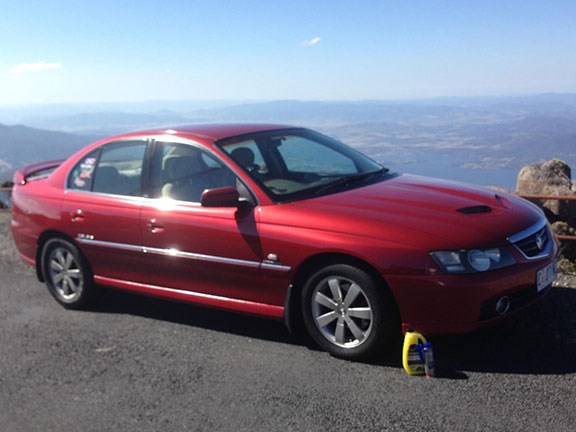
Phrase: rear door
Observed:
(103, 206)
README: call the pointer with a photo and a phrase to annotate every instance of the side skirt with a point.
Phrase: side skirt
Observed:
(236, 305)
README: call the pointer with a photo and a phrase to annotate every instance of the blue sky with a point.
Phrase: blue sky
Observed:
(107, 51)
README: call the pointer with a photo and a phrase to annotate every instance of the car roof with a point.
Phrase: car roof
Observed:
(214, 131)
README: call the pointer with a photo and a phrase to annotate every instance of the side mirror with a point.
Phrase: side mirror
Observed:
(221, 197)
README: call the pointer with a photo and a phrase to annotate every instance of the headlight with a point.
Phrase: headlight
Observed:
(473, 260)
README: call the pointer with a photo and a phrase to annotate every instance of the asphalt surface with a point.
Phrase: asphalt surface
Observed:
(139, 364)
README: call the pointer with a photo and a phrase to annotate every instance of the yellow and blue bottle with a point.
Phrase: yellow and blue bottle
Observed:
(412, 358)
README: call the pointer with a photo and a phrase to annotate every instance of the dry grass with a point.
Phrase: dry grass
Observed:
(8, 253)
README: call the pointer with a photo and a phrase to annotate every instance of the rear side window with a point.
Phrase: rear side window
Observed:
(114, 169)
(83, 173)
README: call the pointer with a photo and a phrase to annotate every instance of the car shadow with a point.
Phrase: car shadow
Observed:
(122, 302)
(541, 340)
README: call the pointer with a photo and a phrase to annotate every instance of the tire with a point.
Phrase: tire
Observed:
(67, 275)
(347, 313)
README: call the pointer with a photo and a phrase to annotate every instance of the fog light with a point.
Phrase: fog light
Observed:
(503, 306)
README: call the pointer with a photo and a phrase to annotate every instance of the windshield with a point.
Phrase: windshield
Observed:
(299, 163)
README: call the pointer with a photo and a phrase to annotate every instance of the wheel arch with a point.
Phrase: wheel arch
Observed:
(42, 240)
(293, 313)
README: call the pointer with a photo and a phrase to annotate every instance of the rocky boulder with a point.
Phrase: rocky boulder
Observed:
(553, 177)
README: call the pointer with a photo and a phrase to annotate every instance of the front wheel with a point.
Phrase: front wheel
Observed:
(347, 313)
(66, 274)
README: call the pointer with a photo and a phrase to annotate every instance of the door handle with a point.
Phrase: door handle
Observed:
(77, 216)
(155, 227)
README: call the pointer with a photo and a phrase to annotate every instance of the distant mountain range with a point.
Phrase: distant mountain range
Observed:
(22, 145)
(470, 138)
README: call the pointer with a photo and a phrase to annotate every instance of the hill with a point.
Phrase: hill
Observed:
(22, 145)
(478, 140)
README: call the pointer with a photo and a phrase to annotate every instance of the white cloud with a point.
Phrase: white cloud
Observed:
(34, 67)
(311, 42)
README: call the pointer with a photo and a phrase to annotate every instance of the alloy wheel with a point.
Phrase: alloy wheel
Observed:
(66, 274)
(342, 311)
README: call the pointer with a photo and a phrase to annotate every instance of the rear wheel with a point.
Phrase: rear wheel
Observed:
(347, 313)
(67, 275)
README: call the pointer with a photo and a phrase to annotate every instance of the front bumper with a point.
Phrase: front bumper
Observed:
(449, 304)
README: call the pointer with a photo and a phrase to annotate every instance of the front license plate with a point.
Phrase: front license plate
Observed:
(546, 276)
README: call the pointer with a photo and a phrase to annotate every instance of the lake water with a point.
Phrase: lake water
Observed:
(501, 177)
(450, 167)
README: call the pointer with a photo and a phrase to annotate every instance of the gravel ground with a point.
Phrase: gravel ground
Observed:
(136, 363)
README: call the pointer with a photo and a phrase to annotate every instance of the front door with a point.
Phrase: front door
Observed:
(206, 251)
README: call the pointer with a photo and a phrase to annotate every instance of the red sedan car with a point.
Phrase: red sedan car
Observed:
(282, 222)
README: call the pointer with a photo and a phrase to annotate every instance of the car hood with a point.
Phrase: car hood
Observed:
(417, 211)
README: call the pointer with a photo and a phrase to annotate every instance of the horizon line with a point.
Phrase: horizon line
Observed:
(257, 100)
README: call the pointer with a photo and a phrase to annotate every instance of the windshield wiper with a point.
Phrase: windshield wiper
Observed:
(349, 179)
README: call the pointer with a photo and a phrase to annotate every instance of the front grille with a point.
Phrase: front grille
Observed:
(534, 245)
(534, 242)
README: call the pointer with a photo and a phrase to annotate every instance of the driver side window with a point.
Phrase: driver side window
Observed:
(183, 172)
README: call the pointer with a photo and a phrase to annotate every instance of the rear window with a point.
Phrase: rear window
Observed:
(114, 169)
